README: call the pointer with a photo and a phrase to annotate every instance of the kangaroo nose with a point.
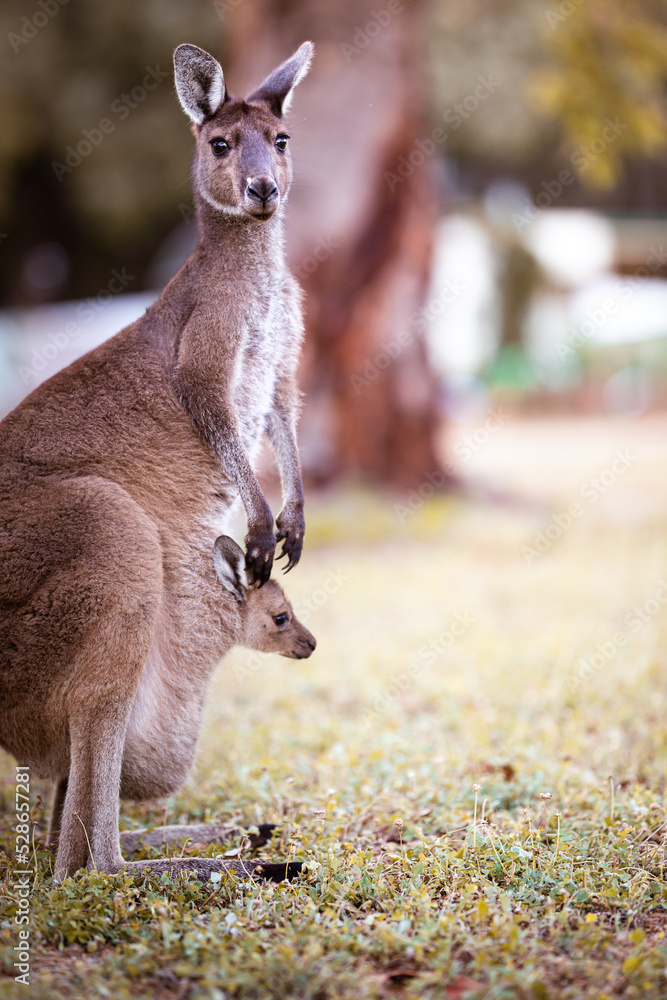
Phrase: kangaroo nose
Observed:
(262, 189)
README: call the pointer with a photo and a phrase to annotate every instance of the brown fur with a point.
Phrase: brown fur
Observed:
(117, 474)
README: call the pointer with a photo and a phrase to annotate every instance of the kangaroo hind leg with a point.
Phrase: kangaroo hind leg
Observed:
(118, 571)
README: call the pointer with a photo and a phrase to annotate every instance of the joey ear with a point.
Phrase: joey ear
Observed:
(277, 89)
(229, 562)
(200, 84)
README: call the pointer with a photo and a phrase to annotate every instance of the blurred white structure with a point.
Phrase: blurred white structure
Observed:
(582, 303)
(463, 331)
(573, 246)
(36, 343)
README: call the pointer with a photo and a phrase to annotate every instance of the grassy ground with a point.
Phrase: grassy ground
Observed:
(452, 654)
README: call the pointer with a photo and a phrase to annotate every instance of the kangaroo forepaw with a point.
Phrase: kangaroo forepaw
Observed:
(291, 528)
(260, 549)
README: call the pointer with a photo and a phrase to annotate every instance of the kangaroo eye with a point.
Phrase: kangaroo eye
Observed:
(280, 619)
(281, 142)
(219, 147)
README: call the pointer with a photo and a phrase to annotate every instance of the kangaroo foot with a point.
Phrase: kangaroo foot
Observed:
(203, 868)
(201, 833)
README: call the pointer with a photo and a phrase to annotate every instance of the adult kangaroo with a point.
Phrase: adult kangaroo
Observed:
(117, 473)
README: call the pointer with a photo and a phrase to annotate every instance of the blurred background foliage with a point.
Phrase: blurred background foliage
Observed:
(610, 60)
(564, 66)
(64, 80)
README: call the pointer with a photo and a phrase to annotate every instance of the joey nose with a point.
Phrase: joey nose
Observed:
(262, 189)
(308, 646)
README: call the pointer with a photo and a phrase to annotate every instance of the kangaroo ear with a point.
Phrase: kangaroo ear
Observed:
(200, 84)
(277, 89)
(229, 562)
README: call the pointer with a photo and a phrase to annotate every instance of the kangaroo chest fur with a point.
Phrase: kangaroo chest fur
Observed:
(255, 372)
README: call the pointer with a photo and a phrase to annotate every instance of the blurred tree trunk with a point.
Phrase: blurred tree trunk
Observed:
(359, 232)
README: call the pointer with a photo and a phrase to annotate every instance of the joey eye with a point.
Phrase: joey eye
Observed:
(219, 147)
(280, 619)
(281, 142)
